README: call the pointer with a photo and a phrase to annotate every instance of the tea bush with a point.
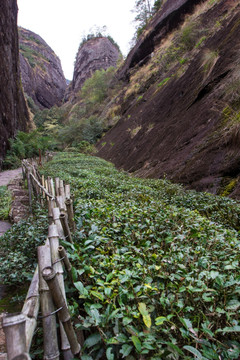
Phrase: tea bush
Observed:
(155, 267)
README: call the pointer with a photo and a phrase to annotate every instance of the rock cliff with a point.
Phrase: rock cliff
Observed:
(179, 113)
(95, 54)
(13, 110)
(41, 70)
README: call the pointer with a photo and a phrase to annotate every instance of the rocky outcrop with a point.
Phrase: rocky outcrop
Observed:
(41, 70)
(95, 54)
(170, 16)
(13, 110)
(180, 113)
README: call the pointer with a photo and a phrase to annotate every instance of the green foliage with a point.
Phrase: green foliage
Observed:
(31, 104)
(19, 246)
(95, 89)
(155, 266)
(48, 117)
(26, 145)
(78, 130)
(5, 202)
(97, 32)
(32, 55)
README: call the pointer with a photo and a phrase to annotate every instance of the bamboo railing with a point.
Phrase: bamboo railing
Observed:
(47, 290)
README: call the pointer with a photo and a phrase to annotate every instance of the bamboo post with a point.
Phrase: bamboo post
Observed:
(14, 329)
(61, 203)
(43, 184)
(49, 185)
(23, 356)
(29, 192)
(61, 189)
(30, 308)
(65, 227)
(54, 245)
(67, 191)
(50, 341)
(70, 213)
(50, 211)
(57, 184)
(49, 276)
(63, 255)
(46, 187)
(56, 219)
(52, 187)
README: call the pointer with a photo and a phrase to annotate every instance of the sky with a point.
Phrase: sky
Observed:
(63, 23)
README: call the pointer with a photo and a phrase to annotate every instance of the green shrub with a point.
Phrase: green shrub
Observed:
(27, 145)
(77, 130)
(5, 202)
(95, 89)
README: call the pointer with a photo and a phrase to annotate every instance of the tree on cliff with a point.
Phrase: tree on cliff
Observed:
(144, 10)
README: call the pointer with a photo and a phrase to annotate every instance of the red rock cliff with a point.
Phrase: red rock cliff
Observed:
(13, 110)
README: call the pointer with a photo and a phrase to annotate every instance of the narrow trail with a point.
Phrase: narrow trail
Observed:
(5, 178)
(8, 175)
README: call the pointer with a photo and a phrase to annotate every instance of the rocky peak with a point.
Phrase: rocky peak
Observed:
(41, 71)
(13, 111)
(95, 54)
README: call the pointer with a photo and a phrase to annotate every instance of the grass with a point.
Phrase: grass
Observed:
(155, 266)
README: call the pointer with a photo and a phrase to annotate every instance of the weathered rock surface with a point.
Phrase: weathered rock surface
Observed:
(95, 54)
(13, 111)
(41, 71)
(168, 18)
(183, 121)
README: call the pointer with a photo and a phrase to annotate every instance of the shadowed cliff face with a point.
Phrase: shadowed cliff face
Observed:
(168, 18)
(180, 113)
(13, 110)
(95, 54)
(41, 70)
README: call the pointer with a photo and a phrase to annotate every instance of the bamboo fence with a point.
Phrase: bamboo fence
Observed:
(47, 291)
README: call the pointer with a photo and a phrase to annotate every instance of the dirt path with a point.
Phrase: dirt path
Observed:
(7, 176)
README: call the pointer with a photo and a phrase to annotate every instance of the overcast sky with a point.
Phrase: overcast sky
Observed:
(62, 23)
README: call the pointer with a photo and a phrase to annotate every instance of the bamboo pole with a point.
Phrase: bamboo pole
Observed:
(50, 211)
(52, 187)
(30, 308)
(61, 189)
(14, 329)
(70, 213)
(65, 227)
(57, 184)
(50, 277)
(54, 245)
(50, 341)
(67, 191)
(29, 192)
(43, 183)
(23, 356)
(63, 255)
(61, 203)
(56, 219)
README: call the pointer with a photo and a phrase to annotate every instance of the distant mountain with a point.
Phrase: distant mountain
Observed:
(41, 70)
